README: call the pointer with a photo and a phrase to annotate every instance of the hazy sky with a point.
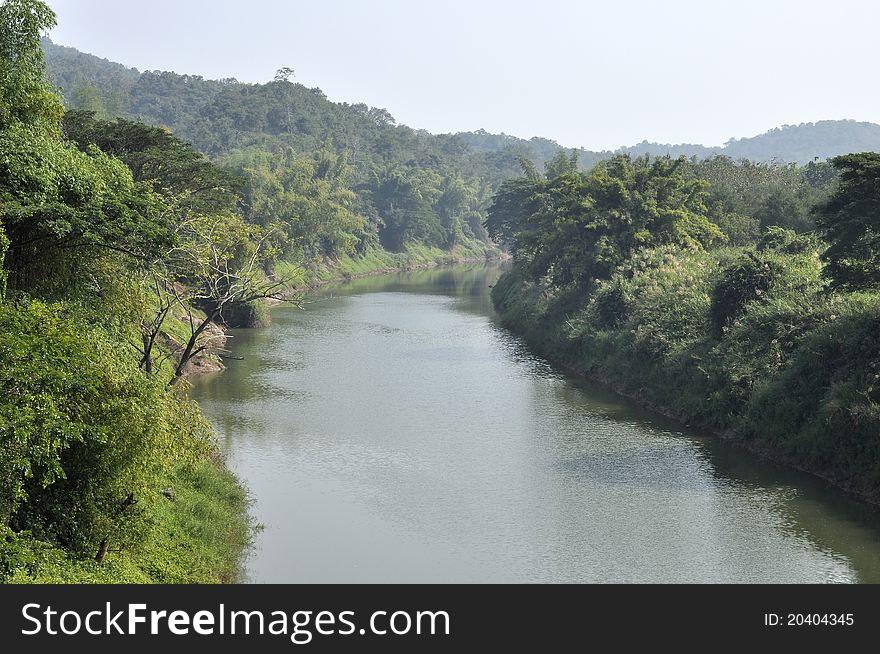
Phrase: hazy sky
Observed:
(594, 74)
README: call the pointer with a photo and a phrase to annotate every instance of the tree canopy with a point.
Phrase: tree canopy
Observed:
(576, 228)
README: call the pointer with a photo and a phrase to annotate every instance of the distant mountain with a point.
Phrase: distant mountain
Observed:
(219, 116)
(787, 144)
(662, 149)
(805, 142)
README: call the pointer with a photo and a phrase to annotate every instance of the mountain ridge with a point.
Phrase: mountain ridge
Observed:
(89, 81)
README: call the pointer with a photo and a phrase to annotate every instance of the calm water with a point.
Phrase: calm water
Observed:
(392, 431)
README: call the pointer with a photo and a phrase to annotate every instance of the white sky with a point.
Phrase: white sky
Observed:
(594, 74)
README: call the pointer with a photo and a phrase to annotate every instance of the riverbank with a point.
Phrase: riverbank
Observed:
(378, 261)
(778, 384)
(198, 535)
(138, 494)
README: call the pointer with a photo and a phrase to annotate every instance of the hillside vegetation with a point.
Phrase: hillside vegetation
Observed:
(141, 212)
(219, 116)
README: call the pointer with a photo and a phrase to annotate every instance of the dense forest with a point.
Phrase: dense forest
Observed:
(377, 182)
(739, 297)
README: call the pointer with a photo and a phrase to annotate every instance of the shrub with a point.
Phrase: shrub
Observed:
(660, 297)
(743, 282)
(787, 241)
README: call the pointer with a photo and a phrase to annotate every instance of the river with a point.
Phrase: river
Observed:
(392, 431)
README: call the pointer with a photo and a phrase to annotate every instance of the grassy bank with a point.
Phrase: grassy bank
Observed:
(747, 343)
(377, 260)
(198, 538)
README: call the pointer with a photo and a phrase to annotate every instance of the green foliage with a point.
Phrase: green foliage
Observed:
(198, 538)
(761, 341)
(746, 198)
(307, 198)
(155, 156)
(745, 281)
(782, 208)
(87, 441)
(738, 228)
(57, 202)
(405, 199)
(576, 228)
(665, 299)
(4, 248)
(788, 242)
(340, 178)
(750, 339)
(795, 370)
(508, 218)
(80, 428)
(850, 222)
(823, 409)
(25, 95)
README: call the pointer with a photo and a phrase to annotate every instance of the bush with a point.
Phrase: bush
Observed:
(745, 281)
(611, 303)
(739, 229)
(660, 297)
(786, 241)
(824, 406)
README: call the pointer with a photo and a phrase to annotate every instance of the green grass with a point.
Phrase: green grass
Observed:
(197, 539)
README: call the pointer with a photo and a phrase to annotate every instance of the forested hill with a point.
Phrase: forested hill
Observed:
(223, 115)
(390, 185)
(219, 116)
(802, 143)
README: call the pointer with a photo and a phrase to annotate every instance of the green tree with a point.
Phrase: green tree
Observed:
(25, 95)
(156, 157)
(61, 207)
(405, 198)
(84, 434)
(850, 222)
(576, 228)
(305, 199)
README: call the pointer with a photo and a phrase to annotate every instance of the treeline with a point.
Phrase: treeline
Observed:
(740, 297)
(119, 246)
(407, 189)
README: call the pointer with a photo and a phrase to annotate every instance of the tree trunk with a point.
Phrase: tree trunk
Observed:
(191, 346)
(147, 361)
(102, 551)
